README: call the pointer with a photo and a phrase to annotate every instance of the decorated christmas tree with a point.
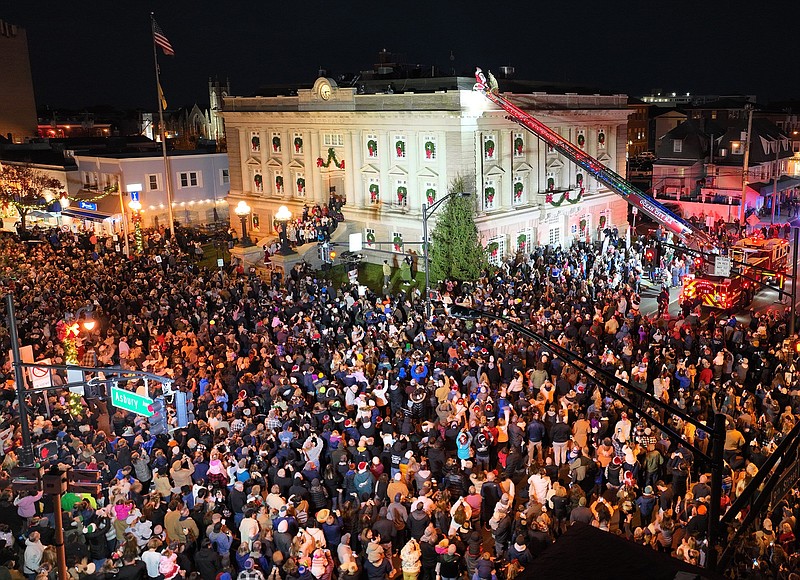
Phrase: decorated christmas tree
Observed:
(456, 252)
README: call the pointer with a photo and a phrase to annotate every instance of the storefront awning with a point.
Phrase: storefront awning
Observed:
(85, 215)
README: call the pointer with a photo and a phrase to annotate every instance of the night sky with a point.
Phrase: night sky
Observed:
(85, 53)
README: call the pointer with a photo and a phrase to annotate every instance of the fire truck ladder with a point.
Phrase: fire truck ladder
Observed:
(688, 234)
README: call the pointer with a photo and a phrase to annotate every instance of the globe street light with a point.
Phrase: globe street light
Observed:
(426, 213)
(283, 217)
(243, 210)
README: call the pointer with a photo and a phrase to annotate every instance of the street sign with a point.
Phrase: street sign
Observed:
(722, 266)
(634, 210)
(132, 402)
(356, 242)
(40, 377)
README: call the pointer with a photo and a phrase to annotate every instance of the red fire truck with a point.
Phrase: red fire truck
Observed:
(766, 261)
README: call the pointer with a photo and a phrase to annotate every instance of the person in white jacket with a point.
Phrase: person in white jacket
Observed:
(538, 486)
(33, 553)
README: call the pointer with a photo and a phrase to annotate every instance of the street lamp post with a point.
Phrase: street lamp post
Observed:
(283, 217)
(426, 213)
(243, 210)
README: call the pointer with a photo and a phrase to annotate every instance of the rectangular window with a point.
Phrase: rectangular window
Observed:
(297, 144)
(429, 147)
(152, 182)
(399, 146)
(189, 179)
(371, 146)
(554, 237)
(369, 236)
(276, 143)
(496, 248)
(300, 184)
(224, 176)
(490, 147)
(255, 142)
(518, 195)
(401, 193)
(278, 182)
(374, 190)
(677, 146)
(397, 242)
(523, 242)
(332, 140)
(737, 148)
(258, 182)
(429, 189)
(489, 194)
(519, 145)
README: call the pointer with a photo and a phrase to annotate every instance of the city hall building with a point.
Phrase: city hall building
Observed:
(386, 146)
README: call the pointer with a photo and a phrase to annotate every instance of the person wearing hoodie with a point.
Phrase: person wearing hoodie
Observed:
(450, 563)
(410, 560)
(363, 480)
(376, 566)
(418, 521)
(344, 553)
(519, 552)
(500, 525)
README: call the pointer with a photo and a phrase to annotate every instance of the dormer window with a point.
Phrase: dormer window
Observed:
(737, 148)
(677, 146)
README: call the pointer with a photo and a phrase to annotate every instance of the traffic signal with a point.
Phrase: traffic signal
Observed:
(698, 263)
(157, 422)
(84, 481)
(332, 255)
(47, 451)
(649, 256)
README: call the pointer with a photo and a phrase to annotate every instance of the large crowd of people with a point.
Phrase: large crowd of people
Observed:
(338, 434)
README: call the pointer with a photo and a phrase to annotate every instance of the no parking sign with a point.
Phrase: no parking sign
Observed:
(40, 377)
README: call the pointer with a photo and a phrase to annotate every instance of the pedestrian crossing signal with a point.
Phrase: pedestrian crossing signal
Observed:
(157, 422)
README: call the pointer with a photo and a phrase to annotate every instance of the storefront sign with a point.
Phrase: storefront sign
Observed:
(87, 205)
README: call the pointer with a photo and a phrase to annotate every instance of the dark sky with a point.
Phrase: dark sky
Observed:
(86, 52)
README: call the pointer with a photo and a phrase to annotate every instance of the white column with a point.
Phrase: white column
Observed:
(349, 169)
(506, 136)
(352, 166)
(244, 153)
(416, 196)
(314, 178)
(286, 157)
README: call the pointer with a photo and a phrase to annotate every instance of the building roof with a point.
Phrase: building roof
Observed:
(37, 156)
(764, 134)
(694, 133)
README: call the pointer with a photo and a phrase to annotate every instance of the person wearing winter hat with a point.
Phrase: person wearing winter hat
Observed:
(410, 560)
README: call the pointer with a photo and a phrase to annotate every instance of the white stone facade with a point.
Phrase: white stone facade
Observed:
(399, 149)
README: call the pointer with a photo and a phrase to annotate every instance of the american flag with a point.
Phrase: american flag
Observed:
(161, 40)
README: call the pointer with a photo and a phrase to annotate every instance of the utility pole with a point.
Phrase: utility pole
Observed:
(746, 165)
(775, 196)
(26, 451)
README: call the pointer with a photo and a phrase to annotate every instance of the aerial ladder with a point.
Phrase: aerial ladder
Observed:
(689, 235)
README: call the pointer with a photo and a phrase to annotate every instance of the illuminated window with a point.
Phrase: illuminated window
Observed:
(737, 148)
(554, 237)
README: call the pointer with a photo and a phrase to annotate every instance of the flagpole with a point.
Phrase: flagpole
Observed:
(162, 128)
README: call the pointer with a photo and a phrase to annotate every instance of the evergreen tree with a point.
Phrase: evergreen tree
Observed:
(455, 251)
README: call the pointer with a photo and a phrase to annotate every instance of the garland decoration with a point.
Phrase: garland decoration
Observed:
(564, 197)
(492, 248)
(488, 148)
(522, 240)
(331, 158)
